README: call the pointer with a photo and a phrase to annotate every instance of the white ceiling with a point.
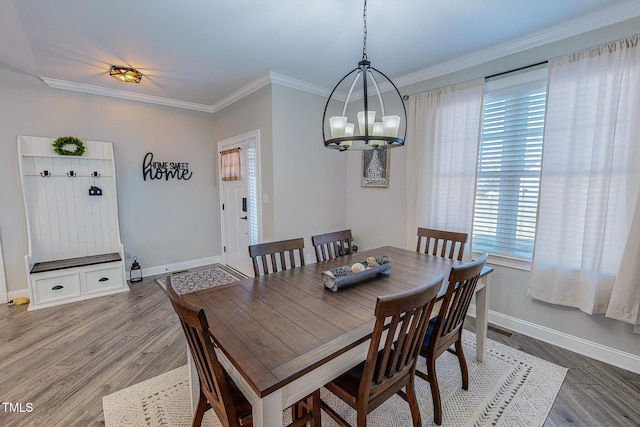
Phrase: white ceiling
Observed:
(199, 53)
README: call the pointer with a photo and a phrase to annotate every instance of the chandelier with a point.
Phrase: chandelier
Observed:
(345, 108)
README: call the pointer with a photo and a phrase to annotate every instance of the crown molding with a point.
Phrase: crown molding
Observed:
(258, 83)
(572, 28)
(303, 86)
(123, 94)
(264, 80)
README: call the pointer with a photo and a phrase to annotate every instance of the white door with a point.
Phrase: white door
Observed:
(239, 208)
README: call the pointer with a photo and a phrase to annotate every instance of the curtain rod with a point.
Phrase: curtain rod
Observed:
(515, 69)
(231, 150)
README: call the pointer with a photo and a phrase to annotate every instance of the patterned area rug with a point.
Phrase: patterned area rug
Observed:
(510, 388)
(192, 281)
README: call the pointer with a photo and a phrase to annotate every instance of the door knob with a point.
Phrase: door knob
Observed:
(243, 217)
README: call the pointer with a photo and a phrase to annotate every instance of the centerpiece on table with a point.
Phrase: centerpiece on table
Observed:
(353, 273)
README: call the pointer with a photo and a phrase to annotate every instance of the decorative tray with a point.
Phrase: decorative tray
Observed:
(345, 275)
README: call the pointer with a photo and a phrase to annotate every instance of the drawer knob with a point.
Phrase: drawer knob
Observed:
(57, 287)
(103, 279)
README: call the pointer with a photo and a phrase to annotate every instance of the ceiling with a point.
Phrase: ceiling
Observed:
(203, 54)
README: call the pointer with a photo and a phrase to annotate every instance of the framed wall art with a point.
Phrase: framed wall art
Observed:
(375, 168)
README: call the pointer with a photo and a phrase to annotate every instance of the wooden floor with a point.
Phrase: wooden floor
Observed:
(62, 360)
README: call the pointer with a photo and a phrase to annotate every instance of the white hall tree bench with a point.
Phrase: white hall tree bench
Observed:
(75, 251)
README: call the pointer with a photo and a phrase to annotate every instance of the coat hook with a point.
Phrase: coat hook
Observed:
(72, 174)
(95, 174)
(45, 173)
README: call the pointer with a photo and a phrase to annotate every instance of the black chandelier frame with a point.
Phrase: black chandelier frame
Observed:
(366, 141)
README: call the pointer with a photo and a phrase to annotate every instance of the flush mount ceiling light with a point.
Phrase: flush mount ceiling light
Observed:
(125, 74)
(341, 113)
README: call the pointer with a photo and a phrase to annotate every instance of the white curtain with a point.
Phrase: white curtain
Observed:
(590, 183)
(442, 158)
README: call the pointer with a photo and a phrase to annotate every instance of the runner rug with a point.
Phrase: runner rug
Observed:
(510, 388)
(192, 281)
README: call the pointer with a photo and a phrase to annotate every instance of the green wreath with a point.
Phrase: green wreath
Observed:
(60, 146)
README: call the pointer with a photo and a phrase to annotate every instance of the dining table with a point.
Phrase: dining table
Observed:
(280, 336)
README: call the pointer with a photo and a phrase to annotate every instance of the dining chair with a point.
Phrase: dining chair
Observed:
(446, 244)
(445, 329)
(217, 388)
(401, 322)
(332, 245)
(279, 250)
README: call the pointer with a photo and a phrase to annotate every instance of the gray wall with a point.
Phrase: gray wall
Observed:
(160, 221)
(509, 297)
(253, 112)
(377, 216)
(309, 180)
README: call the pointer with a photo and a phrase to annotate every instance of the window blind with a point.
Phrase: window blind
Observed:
(509, 161)
(253, 195)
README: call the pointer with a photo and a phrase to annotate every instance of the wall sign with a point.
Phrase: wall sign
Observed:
(166, 170)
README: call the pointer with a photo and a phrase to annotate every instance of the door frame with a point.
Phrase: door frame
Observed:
(3, 282)
(225, 144)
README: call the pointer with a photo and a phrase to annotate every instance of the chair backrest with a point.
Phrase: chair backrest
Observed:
(462, 284)
(276, 251)
(407, 315)
(213, 383)
(446, 244)
(332, 245)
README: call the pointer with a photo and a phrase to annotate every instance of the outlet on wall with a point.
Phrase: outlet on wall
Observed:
(128, 254)
(308, 258)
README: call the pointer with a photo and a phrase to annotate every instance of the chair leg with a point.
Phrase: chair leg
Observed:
(307, 410)
(297, 411)
(334, 415)
(463, 364)
(413, 404)
(315, 409)
(435, 391)
(200, 410)
(362, 418)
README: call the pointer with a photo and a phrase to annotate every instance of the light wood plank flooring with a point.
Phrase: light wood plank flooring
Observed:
(64, 359)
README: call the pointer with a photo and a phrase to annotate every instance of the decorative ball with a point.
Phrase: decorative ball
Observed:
(357, 268)
(342, 271)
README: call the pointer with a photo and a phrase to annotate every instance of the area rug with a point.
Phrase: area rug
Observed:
(510, 388)
(193, 281)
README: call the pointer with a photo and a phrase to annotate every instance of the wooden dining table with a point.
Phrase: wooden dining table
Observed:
(283, 335)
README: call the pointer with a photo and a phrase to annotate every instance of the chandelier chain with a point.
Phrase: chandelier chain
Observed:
(364, 30)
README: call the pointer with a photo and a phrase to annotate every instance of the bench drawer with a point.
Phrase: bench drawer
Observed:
(102, 280)
(56, 288)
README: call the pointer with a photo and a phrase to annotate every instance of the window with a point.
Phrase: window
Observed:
(509, 159)
(230, 165)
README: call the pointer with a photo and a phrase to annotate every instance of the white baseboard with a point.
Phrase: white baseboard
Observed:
(149, 271)
(169, 268)
(612, 356)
